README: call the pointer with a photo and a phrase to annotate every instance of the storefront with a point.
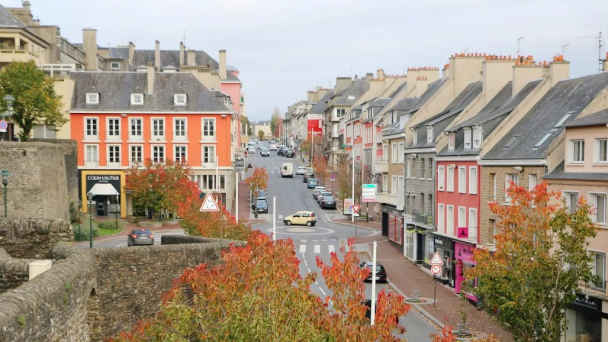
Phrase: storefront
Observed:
(444, 246)
(464, 259)
(426, 246)
(106, 188)
(392, 223)
(409, 248)
(584, 317)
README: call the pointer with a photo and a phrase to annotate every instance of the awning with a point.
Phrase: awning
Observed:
(103, 189)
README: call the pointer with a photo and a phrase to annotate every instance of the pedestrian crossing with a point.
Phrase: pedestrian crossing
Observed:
(316, 249)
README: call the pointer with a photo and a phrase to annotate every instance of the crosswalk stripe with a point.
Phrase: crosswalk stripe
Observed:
(331, 248)
(317, 249)
(302, 249)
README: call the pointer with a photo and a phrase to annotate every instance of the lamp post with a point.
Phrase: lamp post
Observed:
(5, 175)
(90, 198)
(79, 219)
(116, 211)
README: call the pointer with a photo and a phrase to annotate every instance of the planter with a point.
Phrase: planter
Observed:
(150, 224)
(170, 222)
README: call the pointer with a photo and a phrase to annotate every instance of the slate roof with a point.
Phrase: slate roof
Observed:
(321, 106)
(398, 90)
(428, 93)
(115, 89)
(357, 90)
(567, 97)
(595, 119)
(559, 173)
(379, 102)
(405, 104)
(8, 20)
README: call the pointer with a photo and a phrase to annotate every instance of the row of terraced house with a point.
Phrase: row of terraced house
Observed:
(442, 144)
(127, 105)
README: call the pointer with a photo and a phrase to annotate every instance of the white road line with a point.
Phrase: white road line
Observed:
(280, 217)
(305, 263)
(317, 249)
(309, 271)
(331, 248)
(302, 249)
(325, 294)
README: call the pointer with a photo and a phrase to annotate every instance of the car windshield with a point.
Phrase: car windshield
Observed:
(261, 204)
(143, 232)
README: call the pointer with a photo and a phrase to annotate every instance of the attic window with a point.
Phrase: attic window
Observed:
(415, 138)
(92, 98)
(511, 141)
(543, 139)
(115, 66)
(137, 99)
(429, 134)
(351, 97)
(179, 99)
(452, 141)
(563, 119)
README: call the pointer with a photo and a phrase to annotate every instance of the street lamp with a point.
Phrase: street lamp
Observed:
(90, 198)
(116, 211)
(79, 219)
(5, 174)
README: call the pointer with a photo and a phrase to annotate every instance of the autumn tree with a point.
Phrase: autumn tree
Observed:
(258, 180)
(36, 101)
(307, 144)
(447, 335)
(540, 261)
(247, 126)
(261, 135)
(275, 120)
(321, 170)
(263, 297)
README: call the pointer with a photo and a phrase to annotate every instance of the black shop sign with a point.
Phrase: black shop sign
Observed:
(443, 242)
(111, 179)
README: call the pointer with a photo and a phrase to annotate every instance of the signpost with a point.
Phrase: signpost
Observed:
(209, 204)
(348, 206)
(3, 126)
(368, 193)
(436, 263)
(239, 164)
(356, 209)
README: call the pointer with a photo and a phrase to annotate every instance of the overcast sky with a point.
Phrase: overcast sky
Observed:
(285, 47)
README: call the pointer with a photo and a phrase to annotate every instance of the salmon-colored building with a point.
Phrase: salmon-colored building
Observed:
(122, 119)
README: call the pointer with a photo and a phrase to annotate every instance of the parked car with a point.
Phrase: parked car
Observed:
(328, 202)
(301, 217)
(317, 191)
(264, 152)
(301, 170)
(289, 154)
(261, 206)
(262, 195)
(322, 194)
(141, 236)
(273, 146)
(380, 273)
(251, 150)
(305, 178)
(281, 151)
(312, 183)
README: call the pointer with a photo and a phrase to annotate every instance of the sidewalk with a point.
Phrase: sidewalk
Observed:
(406, 276)
(245, 212)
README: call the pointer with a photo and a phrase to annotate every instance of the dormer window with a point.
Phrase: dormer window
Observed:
(415, 138)
(477, 137)
(137, 99)
(452, 141)
(429, 135)
(467, 138)
(92, 98)
(180, 99)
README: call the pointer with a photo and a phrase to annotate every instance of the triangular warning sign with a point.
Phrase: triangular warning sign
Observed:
(249, 166)
(209, 204)
(436, 259)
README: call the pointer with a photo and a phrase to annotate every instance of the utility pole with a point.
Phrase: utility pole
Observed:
(373, 311)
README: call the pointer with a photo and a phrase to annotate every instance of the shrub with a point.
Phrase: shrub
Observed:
(110, 224)
(84, 229)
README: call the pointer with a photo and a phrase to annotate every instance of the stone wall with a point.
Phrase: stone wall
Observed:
(70, 151)
(38, 183)
(13, 272)
(33, 238)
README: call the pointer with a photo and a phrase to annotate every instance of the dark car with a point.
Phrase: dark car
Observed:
(281, 151)
(262, 195)
(264, 153)
(141, 236)
(309, 174)
(328, 202)
(380, 271)
(368, 313)
(312, 183)
(261, 206)
(289, 154)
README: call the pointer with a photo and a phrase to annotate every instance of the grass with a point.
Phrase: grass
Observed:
(109, 231)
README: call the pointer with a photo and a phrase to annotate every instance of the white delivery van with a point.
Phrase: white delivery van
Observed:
(287, 170)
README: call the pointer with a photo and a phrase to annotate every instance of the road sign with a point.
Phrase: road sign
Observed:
(249, 166)
(356, 208)
(209, 204)
(332, 177)
(436, 269)
(368, 193)
(436, 260)
(3, 126)
(239, 163)
(348, 206)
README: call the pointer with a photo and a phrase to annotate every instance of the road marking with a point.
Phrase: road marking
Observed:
(317, 249)
(280, 217)
(305, 263)
(309, 271)
(325, 294)
(331, 248)
(302, 249)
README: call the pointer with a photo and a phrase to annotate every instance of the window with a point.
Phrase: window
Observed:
(208, 154)
(400, 183)
(137, 99)
(542, 140)
(158, 153)
(415, 137)
(114, 155)
(512, 140)
(422, 206)
(467, 138)
(450, 222)
(384, 183)
(91, 128)
(602, 150)
(179, 129)
(136, 154)
(462, 217)
(492, 187)
(135, 131)
(92, 98)
(400, 151)
(422, 168)
(394, 153)
(429, 135)
(477, 137)
(494, 233)
(577, 151)
(158, 129)
(571, 198)
(598, 201)
(452, 141)
(115, 66)
(450, 178)
(91, 155)
(180, 99)
(208, 129)
(179, 153)
(510, 178)
(428, 172)
(441, 217)
(472, 223)
(114, 129)
(598, 268)
(462, 179)
(440, 177)
(532, 181)
(394, 185)
(473, 180)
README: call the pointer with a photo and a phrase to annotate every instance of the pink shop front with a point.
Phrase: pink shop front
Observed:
(464, 255)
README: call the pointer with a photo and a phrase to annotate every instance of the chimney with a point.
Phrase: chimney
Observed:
(151, 75)
(131, 52)
(322, 93)
(310, 96)
(356, 77)
(496, 73)
(223, 74)
(191, 57)
(89, 45)
(36, 22)
(343, 83)
(380, 73)
(157, 55)
(605, 63)
(369, 76)
(181, 53)
(525, 71)
(559, 70)
(465, 69)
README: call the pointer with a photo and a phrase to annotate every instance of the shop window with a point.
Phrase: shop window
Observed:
(429, 247)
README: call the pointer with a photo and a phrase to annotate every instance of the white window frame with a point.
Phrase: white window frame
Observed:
(441, 217)
(114, 66)
(175, 157)
(508, 177)
(598, 149)
(441, 178)
(113, 138)
(462, 217)
(450, 220)
(180, 138)
(592, 196)
(91, 163)
(408, 168)
(415, 137)
(394, 184)
(462, 179)
(154, 159)
(115, 164)
(577, 144)
(155, 137)
(594, 270)
(135, 97)
(429, 134)
(468, 138)
(180, 99)
(477, 137)
(567, 195)
(400, 182)
(451, 141)
(91, 137)
(400, 153)
(472, 223)
(473, 180)
(493, 177)
(450, 175)
(141, 150)
(92, 98)
(136, 138)
(394, 153)
(205, 136)
(385, 183)
(532, 181)
(212, 158)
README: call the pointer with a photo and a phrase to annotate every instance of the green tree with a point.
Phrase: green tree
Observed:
(541, 260)
(261, 135)
(35, 99)
(274, 121)
(247, 125)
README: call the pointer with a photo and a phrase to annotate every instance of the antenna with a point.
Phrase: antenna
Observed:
(185, 36)
(465, 50)
(564, 49)
(518, 41)
(599, 50)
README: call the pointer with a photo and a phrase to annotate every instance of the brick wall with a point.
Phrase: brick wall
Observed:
(33, 238)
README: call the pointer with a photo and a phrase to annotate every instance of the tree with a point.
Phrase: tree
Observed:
(539, 263)
(344, 182)
(35, 99)
(308, 144)
(447, 335)
(274, 121)
(320, 167)
(262, 297)
(247, 125)
(261, 135)
(258, 180)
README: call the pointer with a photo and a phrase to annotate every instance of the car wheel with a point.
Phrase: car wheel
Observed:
(129, 243)
(288, 223)
(309, 223)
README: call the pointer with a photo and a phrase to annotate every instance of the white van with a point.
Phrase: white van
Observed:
(287, 170)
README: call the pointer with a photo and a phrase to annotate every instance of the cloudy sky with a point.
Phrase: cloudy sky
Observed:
(285, 47)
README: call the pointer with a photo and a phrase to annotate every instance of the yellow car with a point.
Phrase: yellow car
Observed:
(301, 217)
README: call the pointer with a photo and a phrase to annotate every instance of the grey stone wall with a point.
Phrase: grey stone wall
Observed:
(38, 184)
(70, 151)
(33, 238)
(13, 272)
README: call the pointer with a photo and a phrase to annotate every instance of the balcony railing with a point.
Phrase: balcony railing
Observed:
(423, 219)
